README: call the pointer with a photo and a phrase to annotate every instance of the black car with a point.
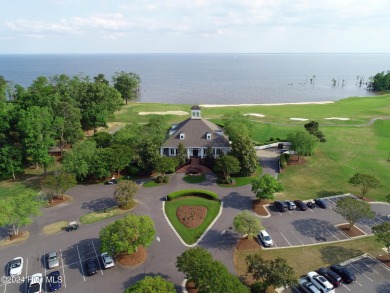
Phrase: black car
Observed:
(331, 276)
(300, 205)
(281, 205)
(110, 182)
(347, 276)
(311, 204)
(91, 267)
(321, 203)
(54, 281)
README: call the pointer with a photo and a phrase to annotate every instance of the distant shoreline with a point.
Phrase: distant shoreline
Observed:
(271, 104)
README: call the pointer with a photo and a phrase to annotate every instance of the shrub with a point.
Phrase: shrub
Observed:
(283, 162)
(197, 192)
(133, 170)
(159, 179)
(166, 179)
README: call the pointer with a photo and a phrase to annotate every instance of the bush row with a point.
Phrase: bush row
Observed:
(196, 192)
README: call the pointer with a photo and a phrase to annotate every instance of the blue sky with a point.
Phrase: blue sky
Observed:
(195, 26)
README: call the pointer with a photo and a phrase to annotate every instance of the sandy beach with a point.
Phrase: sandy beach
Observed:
(273, 104)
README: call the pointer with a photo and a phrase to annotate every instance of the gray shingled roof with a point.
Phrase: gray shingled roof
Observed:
(195, 131)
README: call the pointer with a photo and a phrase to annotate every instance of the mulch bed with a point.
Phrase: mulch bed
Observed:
(57, 201)
(259, 208)
(190, 286)
(385, 259)
(247, 244)
(354, 232)
(294, 160)
(133, 259)
(191, 216)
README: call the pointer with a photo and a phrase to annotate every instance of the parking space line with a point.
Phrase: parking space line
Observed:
(332, 233)
(5, 287)
(332, 201)
(25, 285)
(346, 287)
(63, 269)
(359, 283)
(285, 238)
(311, 210)
(97, 258)
(294, 289)
(297, 237)
(81, 265)
(290, 212)
(361, 272)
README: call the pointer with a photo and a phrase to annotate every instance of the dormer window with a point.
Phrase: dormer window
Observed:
(195, 112)
(208, 136)
(182, 136)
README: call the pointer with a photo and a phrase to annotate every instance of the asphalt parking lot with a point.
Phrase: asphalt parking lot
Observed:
(371, 276)
(72, 268)
(297, 228)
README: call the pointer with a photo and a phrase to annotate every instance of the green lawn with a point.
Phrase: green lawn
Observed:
(190, 236)
(308, 258)
(241, 181)
(13, 188)
(194, 178)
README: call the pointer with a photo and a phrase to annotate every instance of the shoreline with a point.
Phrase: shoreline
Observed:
(272, 104)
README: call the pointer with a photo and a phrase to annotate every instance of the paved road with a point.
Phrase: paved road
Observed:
(269, 161)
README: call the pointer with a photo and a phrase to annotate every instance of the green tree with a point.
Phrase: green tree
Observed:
(127, 83)
(117, 157)
(247, 223)
(353, 210)
(312, 128)
(124, 192)
(236, 125)
(181, 154)
(148, 154)
(3, 87)
(209, 160)
(207, 274)
(149, 284)
(365, 182)
(10, 161)
(54, 186)
(382, 233)
(227, 165)
(103, 139)
(243, 150)
(166, 165)
(17, 210)
(79, 160)
(35, 126)
(272, 273)
(125, 235)
(380, 81)
(302, 142)
(101, 78)
(65, 181)
(265, 187)
(388, 198)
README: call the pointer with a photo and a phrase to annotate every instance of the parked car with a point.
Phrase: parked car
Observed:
(290, 205)
(53, 260)
(307, 286)
(331, 276)
(16, 266)
(280, 205)
(347, 276)
(311, 204)
(91, 267)
(54, 281)
(320, 282)
(282, 151)
(72, 226)
(264, 238)
(300, 205)
(321, 203)
(110, 182)
(35, 283)
(107, 260)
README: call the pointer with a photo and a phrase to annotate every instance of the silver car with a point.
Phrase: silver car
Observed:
(53, 260)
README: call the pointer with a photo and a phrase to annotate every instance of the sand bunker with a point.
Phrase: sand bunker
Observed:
(254, 114)
(337, 118)
(299, 119)
(273, 104)
(180, 113)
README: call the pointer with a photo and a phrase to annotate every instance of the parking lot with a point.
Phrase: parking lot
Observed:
(297, 228)
(72, 268)
(371, 276)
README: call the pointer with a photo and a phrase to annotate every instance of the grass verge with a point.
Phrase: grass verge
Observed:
(194, 178)
(152, 183)
(101, 215)
(23, 236)
(190, 236)
(241, 181)
(308, 258)
(55, 227)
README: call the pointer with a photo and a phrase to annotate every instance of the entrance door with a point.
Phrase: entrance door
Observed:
(195, 152)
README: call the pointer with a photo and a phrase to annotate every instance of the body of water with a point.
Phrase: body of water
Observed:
(215, 78)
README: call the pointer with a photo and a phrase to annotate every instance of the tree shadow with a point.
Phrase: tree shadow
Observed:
(136, 278)
(384, 287)
(237, 201)
(223, 240)
(337, 254)
(318, 229)
(327, 193)
(210, 180)
(99, 204)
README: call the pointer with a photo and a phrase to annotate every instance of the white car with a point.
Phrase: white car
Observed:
(35, 285)
(320, 282)
(53, 260)
(307, 287)
(107, 260)
(16, 266)
(264, 237)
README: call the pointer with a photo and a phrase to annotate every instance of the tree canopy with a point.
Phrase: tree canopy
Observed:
(380, 81)
(353, 210)
(227, 165)
(125, 191)
(302, 142)
(243, 150)
(365, 182)
(265, 187)
(382, 233)
(127, 83)
(150, 284)
(247, 223)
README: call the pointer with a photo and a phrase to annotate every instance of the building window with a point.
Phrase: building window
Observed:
(208, 136)
(172, 152)
(182, 136)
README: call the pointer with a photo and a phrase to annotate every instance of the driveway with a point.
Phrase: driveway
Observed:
(269, 161)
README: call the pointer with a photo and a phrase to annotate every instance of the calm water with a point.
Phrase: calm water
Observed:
(214, 78)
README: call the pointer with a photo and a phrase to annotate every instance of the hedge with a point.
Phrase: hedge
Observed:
(196, 192)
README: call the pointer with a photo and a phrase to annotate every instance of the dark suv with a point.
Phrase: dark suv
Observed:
(347, 276)
(331, 276)
(281, 205)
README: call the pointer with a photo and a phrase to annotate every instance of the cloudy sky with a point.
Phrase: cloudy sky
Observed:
(194, 26)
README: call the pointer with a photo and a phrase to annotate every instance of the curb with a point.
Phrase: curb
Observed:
(204, 233)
